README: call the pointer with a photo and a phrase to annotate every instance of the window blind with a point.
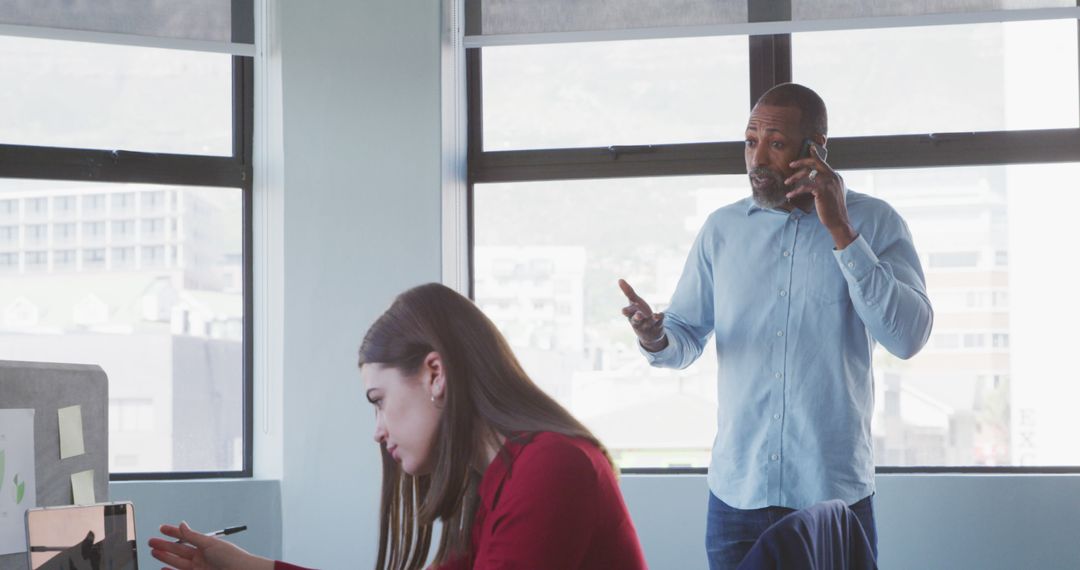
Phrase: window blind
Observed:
(512, 22)
(201, 25)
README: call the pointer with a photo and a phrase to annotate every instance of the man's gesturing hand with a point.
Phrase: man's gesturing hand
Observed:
(647, 325)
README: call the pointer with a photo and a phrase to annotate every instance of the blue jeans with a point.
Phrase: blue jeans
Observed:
(731, 532)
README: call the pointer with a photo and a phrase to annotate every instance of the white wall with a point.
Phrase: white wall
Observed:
(362, 167)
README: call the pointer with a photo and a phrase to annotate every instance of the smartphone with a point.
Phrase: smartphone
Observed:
(805, 152)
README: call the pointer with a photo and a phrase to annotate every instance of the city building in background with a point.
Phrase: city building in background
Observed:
(947, 406)
(145, 282)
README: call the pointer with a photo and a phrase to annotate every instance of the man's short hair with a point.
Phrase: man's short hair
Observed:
(814, 120)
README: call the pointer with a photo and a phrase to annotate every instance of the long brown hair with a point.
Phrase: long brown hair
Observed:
(488, 395)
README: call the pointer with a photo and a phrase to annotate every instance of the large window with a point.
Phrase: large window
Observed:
(84, 95)
(546, 274)
(600, 94)
(125, 188)
(961, 78)
(595, 161)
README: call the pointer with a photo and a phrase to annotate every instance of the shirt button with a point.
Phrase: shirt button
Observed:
(775, 457)
(851, 264)
(783, 293)
(776, 416)
(787, 254)
(779, 375)
(779, 333)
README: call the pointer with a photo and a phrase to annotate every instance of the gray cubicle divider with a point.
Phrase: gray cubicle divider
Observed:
(47, 387)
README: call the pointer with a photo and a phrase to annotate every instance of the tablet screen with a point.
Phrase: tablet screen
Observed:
(92, 537)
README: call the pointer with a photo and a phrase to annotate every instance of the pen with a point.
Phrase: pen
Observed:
(224, 531)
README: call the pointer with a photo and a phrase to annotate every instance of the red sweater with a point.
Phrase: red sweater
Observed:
(550, 501)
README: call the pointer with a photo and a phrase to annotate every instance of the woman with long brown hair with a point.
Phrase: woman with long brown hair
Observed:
(470, 441)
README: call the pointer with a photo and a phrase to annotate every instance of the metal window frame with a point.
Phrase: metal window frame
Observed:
(770, 64)
(234, 172)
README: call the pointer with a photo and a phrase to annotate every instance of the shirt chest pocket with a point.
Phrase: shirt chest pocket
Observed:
(825, 282)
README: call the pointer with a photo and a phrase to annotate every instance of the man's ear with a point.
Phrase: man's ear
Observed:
(820, 139)
(434, 375)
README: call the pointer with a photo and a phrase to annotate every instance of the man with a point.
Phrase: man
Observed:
(797, 283)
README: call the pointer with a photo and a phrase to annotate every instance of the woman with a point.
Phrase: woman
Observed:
(469, 440)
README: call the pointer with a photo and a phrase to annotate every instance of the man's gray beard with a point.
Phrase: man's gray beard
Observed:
(772, 196)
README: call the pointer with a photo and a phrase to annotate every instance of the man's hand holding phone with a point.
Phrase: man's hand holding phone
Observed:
(813, 176)
(647, 325)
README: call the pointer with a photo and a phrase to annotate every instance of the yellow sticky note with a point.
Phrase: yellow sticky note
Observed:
(71, 432)
(82, 487)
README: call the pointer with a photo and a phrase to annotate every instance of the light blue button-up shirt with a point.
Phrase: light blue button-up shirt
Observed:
(794, 323)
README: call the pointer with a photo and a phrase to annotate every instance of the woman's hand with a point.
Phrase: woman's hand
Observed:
(201, 552)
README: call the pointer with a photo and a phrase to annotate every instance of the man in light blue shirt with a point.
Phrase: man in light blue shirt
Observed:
(796, 283)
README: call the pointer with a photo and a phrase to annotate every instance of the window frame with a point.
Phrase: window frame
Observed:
(233, 172)
(770, 64)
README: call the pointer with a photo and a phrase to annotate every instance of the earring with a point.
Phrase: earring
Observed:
(433, 398)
